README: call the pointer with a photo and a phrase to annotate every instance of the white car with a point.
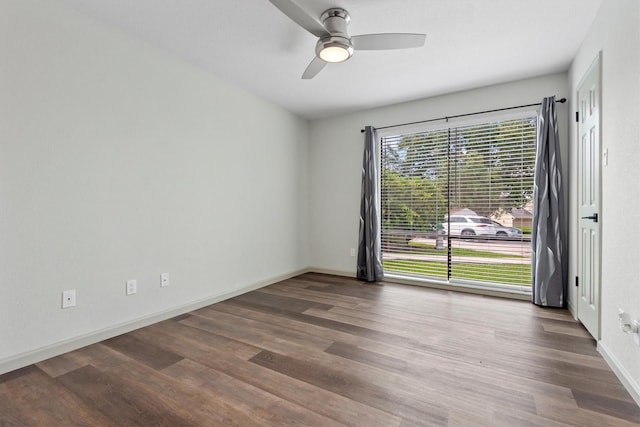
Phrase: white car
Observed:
(503, 231)
(469, 226)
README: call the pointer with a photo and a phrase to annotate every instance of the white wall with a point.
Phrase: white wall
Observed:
(336, 157)
(616, 32)
(118, 162)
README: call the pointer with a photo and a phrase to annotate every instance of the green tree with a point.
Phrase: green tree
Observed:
(487, 168)
(411, 203)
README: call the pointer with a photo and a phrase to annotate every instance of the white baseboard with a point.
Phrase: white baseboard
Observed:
(625, 378)
(572, 310)
(43, 353)
(332, 272)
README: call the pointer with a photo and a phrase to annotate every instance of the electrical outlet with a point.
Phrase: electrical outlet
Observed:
(164, 280)
(352, 252)
(69, 298)
(132, 287)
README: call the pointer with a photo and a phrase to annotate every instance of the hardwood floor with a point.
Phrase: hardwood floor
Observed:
(320, 350)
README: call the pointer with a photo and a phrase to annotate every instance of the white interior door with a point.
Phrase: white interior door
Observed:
(589, 164)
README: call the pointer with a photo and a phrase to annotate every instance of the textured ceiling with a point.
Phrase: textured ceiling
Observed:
(470, 43)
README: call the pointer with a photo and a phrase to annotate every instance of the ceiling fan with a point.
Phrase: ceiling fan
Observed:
(334, 43)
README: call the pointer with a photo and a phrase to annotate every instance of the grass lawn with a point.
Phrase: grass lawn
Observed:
(513, 274)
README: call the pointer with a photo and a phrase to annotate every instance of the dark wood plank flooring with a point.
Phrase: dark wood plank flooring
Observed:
(321, 350)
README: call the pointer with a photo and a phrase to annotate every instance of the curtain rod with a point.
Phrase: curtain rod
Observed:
(561, 100)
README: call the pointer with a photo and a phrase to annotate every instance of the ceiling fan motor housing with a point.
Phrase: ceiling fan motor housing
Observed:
(335, 21)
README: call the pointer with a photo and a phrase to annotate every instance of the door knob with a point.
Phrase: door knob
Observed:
(593, 217)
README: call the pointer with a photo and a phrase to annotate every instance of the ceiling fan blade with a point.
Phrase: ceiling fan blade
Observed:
(300, 17)
(313, 68)
(387, 41)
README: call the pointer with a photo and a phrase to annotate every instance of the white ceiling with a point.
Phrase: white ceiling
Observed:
(470, 43)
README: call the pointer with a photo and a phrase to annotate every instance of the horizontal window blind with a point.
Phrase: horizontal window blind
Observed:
(442, 190)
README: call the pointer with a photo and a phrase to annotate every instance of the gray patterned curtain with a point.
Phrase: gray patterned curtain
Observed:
(369, 253)
(549, 263)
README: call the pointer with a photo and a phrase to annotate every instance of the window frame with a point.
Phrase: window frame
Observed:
(487, 288)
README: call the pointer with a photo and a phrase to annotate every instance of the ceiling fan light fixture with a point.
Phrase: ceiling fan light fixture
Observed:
(334, 49)
(334, 54)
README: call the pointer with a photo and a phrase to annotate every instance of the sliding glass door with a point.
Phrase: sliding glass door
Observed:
(456, 201)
